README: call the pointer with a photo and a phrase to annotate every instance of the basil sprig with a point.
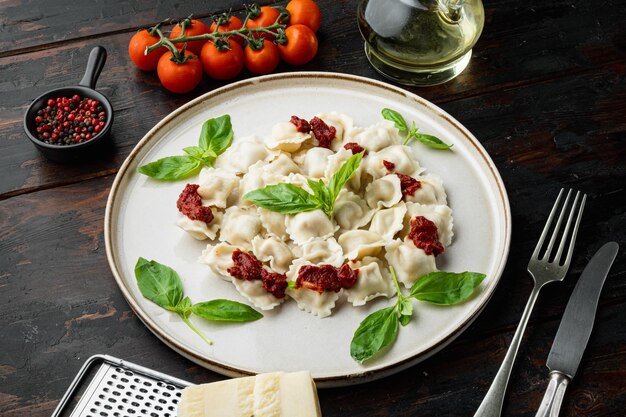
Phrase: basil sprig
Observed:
(428, 140)
(215, 137)
(162, 285)
(380, 329)
(291, 199)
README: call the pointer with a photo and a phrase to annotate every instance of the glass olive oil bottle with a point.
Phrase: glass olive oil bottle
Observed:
(420, 42)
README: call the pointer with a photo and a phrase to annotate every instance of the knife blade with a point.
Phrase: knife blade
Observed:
(575, 329)
(577, 322)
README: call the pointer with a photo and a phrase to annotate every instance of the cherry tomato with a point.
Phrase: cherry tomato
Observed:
(267, 17)
(222, 64)
(233, 23)
(304, 12)
(264, 60)
(137, 46)
(179, 78)
(301, 45)
(196, 28)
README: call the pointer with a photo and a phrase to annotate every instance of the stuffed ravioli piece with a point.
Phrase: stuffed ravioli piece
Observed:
(374, 280)
(240, 226)
(343, 126)
(384, 192)
(397, 158)
(322, 251)
(216, 186)
(219, 258)
(409, 262)
(430, 191)
(244, 153)
(272, 250)
(254, 292)
(357, 244)
(439, 214)
(376, 137)
(274, 223)
(285, 137)
(318, 304)
(309, 225)
(351, 211)
(336, 161)
(199, 229)
(388, 222)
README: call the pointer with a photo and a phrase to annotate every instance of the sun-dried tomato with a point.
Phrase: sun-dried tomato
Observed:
(190, 204)
(245, 266)
(274, 283)
(389, 165)
(355, 148)
(322, 278)
(300, 124)
(425, 236)
(323, 133)
(248, 267)
(408, 185)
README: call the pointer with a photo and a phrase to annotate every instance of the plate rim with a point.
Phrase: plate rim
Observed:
(330, 381)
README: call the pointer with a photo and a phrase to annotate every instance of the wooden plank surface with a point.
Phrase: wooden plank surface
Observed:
(545, 94)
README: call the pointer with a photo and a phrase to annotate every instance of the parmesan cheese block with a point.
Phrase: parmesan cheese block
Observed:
(277, 394)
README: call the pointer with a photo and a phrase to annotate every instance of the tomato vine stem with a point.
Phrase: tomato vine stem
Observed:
(276, 30)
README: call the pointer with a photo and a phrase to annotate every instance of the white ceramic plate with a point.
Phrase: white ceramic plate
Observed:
(141, 215)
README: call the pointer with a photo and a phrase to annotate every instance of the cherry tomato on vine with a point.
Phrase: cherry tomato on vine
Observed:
(301, 45)
(233, 23)
(304, 12)
(196, 28)
(267, 17)
(137, 46)
(222, 64)
(179, 78)
(263, 60)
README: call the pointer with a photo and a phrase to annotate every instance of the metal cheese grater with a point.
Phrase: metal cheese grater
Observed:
(120, 389)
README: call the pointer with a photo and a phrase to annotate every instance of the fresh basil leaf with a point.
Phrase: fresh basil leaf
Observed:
(378, 330)
(431, 141)
(172, 168)
(396, 118)
(321, 192)
(199, 153)
(446, 288)
(283, 198)
(342, 176)
(184, 307)
(405, 309)
(216, 134)
(225, 310)
(159, 283)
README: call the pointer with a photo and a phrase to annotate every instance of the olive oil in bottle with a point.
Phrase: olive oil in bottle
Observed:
(420, 42)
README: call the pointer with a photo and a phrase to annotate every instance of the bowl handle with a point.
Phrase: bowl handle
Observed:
(97, 58)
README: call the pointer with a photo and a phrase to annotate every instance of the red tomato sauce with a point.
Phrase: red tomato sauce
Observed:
(249, 268)
(326, 277)
(190, 204)
(425, 236)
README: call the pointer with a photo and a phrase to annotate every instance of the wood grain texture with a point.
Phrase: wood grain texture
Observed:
(545, 94)
(34, 25)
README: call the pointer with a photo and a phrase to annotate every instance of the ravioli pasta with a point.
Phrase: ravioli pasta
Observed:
(375, 223)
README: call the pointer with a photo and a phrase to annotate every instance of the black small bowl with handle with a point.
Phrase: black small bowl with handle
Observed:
(85, 88)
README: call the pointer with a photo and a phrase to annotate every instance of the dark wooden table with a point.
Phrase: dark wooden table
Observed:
(545, 93)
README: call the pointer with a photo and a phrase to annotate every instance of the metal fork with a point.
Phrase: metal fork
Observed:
(543, 271)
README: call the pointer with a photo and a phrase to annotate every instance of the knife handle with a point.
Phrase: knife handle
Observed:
(552, 399)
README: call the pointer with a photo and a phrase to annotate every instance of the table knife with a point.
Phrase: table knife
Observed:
(575, 329)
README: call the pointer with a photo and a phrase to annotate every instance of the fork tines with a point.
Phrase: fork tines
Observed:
(575, 211)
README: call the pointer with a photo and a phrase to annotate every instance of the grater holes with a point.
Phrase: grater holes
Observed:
(154, 415)
(162, 401)
(178, 394)
(167, 394)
